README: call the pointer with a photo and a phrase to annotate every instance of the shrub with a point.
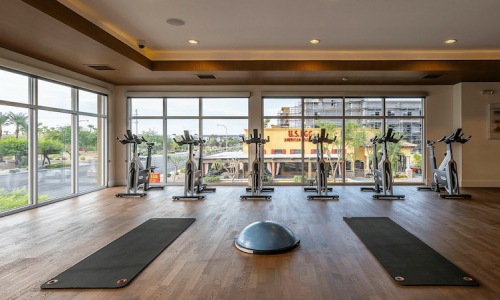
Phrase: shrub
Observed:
(16, 198)
(298, 178)
(208, 179)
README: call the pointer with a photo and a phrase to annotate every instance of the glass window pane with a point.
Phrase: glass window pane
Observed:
(363, 107)
(146, 107)
(88, 102)
(223, 157)
(406, 156)
(13, 157)
(54, 148)
(332, 153)
(283, 152)
(54, 95)
(90, 156)
(403, 107)
(225, 107)
(183, 106)
(14, 87)
(282, 107)
(152, 132)
(177, 155)
(325, 107)
(359, 149)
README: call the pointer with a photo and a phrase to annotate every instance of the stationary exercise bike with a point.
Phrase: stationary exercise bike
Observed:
(193, 180)
(257, 169)
(138, 175)
(322, 169)
(446, 176)
(383, 171)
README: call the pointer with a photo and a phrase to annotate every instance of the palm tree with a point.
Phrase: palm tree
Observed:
(20, 120)
(4, 121)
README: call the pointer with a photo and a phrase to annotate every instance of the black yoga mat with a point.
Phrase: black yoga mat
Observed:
(116, 264)
(408, 260)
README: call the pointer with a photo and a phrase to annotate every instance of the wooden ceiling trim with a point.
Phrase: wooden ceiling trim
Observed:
(65, 15)
(327, 65)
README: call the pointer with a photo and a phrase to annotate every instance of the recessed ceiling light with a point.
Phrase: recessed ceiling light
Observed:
(314, 41)
(175, 22)
(193, 42)
(451, 41)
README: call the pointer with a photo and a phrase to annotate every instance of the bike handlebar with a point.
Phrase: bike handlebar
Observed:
(322, 137)
(130, 138)
(256, 138)
(389, 137)
(455, 137)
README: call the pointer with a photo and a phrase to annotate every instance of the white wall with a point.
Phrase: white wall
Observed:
(480, 156)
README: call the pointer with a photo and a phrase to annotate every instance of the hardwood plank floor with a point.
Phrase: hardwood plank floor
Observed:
(330, 263)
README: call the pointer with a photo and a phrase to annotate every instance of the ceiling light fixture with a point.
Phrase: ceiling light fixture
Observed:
(451, 41)
(314, 41)
(487, 92)
(193, 42)
(175, 22)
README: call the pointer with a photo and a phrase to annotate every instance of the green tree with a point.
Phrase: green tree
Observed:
(20, 120)
(47, 147)
(65, 138)
(393, 153)
(152, 137)
(4, 121)
(212, 141)
(176, 160)
(417, 160)
(232, 142)
(15, 147)
(355, 135)
(87, 139)
(51, 133)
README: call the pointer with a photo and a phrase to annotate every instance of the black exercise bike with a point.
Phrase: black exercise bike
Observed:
(383, 170)
(322, 169)
(257, 173)
(138, 175)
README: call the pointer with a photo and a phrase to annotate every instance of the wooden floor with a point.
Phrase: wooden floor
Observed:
(330, 263)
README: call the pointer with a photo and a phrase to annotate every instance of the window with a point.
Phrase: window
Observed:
(69, 158)
(90, 152)
(291, 122)
(183, 107)
(54, 145)
(219, 122)
(225, 107)
(17, 89)
(14, 151)
(89, 102)
(54, 95)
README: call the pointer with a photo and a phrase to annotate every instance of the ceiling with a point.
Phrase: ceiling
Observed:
(260, 41)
